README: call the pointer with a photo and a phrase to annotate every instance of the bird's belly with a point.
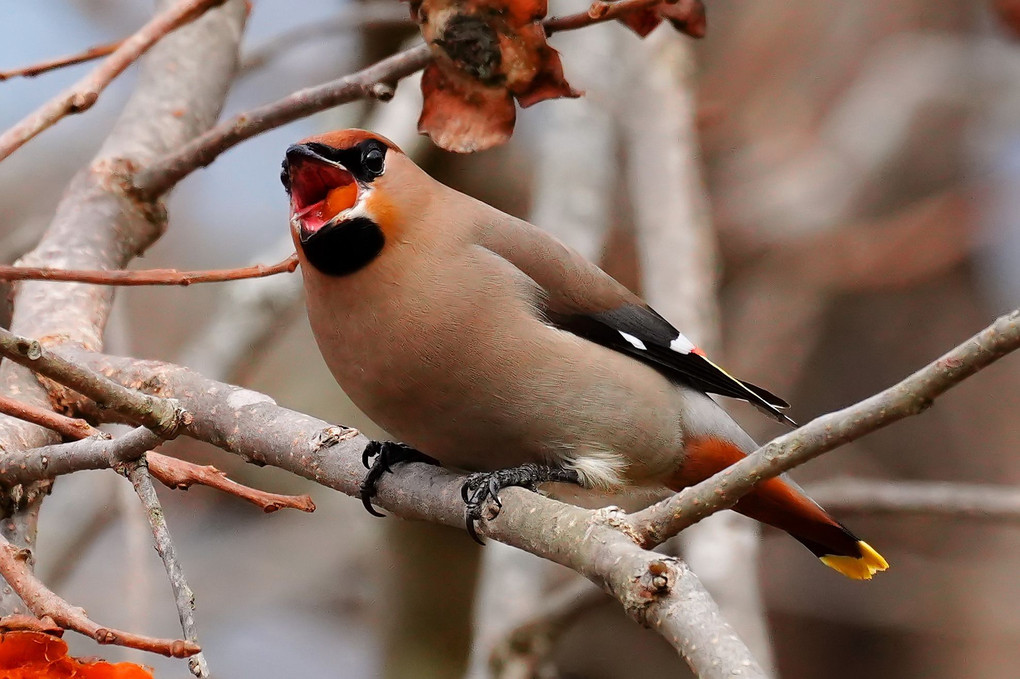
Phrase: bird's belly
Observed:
(479, 390)
(443, 409)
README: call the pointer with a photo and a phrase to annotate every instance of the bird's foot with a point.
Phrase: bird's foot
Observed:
(386, 454)
(483, 486)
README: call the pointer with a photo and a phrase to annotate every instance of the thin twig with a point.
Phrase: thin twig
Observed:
(202, 150)
(21, 466)
(184, 598)
(47, 462)
(349, 18)
(181, 475)
(30, 623)
(910, 397)
(60, 62)
(922, 498)
(147, 276)
(44, 603)
(84, 93)
(161, 415)
(68, 427)
(163, 174)
(597, 13)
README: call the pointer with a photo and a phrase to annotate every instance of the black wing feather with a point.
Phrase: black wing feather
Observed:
(656, 334)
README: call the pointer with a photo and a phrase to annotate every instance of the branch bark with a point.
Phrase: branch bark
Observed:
(181, 87)
(655, 590)
(603, 545)
(83, 94)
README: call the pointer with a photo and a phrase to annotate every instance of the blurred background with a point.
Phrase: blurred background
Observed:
(825, 193)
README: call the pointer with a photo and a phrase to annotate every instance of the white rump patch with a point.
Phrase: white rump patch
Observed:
(600, 469)
(682, 345)
(634, 341)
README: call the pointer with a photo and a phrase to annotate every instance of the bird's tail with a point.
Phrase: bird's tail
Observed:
(780, 503)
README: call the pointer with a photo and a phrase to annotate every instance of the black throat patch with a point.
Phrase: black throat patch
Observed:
(344, 248)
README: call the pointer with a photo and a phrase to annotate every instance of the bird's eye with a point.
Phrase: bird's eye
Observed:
(373, 161)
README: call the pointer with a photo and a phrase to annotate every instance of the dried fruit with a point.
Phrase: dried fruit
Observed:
(36, 655)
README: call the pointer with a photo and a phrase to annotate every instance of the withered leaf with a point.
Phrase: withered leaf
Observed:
(487, 53)
(686, 16)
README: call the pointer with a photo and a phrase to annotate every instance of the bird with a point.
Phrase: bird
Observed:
(483, 343)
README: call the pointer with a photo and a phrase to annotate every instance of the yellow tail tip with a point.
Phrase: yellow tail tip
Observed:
(860, 567)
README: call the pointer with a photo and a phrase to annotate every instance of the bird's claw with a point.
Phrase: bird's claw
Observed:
(386, 453)
(482, 486)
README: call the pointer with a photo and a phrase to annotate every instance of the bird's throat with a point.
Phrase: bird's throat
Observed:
(343, 248)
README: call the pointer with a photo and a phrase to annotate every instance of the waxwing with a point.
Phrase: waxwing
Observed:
(488, 345)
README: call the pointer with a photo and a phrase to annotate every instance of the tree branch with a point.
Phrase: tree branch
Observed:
(162, 175)
(910, 397)
(181, 475)
(923, 498)
(98, 452)
(658, 591)
(84, 93)
(147, 276)
(91, 53)
(162, 416)
(375, 81)
(48, 462)
(655, 590)
(68, 427)
(180, 90)
(184, 598)
(44, 603)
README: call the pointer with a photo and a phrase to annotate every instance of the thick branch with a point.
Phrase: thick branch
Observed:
(600, 545)
(184, 598)
(146, 276)
(98, 452)
(182, 83)
(44, 603)
(921, 498)
(84, 93)
(910, 397)
(657, 591)
(160, 415)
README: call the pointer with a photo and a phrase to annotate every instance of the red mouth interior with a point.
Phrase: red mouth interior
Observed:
(319, 192)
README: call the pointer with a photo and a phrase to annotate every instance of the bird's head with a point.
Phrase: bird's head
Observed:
(342, 206)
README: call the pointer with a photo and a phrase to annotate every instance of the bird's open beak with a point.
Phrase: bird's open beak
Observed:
(320, 190)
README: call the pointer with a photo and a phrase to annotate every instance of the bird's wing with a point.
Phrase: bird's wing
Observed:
(584, 300)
